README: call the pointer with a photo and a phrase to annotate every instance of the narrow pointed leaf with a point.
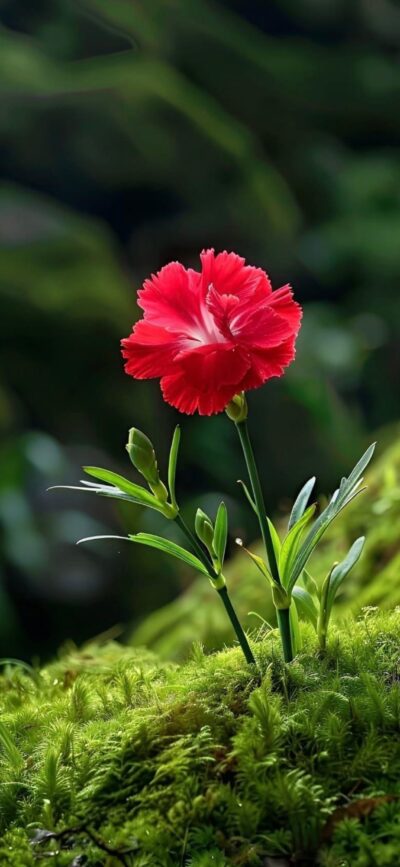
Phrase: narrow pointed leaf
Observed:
(305, 605)
(359, 468)
(310, 584)
(295, 629)
(169, 548)
(112, 492)
(97, 538)
(340, 571)
(248, 495)
(160, 544)
(301, 502)
(123, 484)
(349, 489)
(173, 459)
(275, 539)
(259, 562)
(221, 533)
(291, 544)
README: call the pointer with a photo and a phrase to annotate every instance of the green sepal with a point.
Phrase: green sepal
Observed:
(237, 409)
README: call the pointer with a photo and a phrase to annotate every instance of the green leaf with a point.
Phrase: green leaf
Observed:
(130, 488)
(305, 605)
(248, 495)
(160, 544)
(295, 629)
(348, 490)
(276, 542)
(220, 533)
(258, 561)
(359, 468)
(301, 502)
(310, 584)
(291, 544)
(339, 572)
(96, 538)
(169, 548)
(173, 458)
(113, 493)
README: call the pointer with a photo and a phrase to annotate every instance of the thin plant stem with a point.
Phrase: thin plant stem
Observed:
(251, 465)
(240, 633)
(282, 614)
(222, 591)
(283, 618)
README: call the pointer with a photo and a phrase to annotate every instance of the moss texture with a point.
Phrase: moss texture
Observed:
(375, 580)
(110, 757)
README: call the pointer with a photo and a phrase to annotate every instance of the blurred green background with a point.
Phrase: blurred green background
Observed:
(134, 132)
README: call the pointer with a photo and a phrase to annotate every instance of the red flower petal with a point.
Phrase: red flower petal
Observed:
(229, 274)
(150, 351)
(267, 363)
(206, 378)
(171, 298)
(179, 392)
(282, 302)
(245, 323)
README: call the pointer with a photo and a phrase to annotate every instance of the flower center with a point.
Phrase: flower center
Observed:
(205, 331)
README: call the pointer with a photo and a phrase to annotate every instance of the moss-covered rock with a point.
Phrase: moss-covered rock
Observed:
(375, 580)
(110, 757)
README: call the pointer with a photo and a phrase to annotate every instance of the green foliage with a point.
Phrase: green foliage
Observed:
(113, 755)
(374, 581)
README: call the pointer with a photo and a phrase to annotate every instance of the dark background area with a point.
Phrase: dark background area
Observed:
(133, 133)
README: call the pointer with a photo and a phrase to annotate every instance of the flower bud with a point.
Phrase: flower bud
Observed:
(204, 528)
(236, 409)
(141, 452)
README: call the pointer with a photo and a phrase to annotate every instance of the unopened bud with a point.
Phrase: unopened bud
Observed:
(204, 528)
(237, 408)
(141, 452)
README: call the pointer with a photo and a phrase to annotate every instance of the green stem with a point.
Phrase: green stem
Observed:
(282, 614)
(222, 592)
(243, 432)
(197, 548)
(240, 634)
(283, 617)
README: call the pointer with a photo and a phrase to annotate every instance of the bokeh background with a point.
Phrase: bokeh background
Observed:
(134, 132)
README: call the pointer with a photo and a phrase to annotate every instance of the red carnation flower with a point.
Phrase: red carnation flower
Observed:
(210, 335)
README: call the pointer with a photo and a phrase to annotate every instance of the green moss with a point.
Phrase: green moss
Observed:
(110, 757)
(375, 580)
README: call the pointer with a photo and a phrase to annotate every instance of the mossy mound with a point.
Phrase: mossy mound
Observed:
(375, 581)
(109, 757)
